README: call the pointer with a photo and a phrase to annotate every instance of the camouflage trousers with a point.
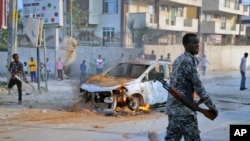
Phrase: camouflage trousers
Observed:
(183, 126)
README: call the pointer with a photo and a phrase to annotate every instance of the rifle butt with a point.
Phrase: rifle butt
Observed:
(208, 113)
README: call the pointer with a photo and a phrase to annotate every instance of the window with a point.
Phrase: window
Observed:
(157, 72)
(110, 6)
(223, 22)
(164, 8)
(207, 17)
(237, 4)
(216, 16)
(173, 15)
(179, 12)
(151, 12)
(227, 3)
(108, 34)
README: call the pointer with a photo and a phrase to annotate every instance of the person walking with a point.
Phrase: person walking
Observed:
(161, 58)
(48, 68)
(99, 64)
(204, 63)
(168, 58)
(83, 69)
(59, 67)
(161, 67)
(16, 68)
(185, 79)
(152, 56)
(243, 71)
(32, 69)
(25, 68)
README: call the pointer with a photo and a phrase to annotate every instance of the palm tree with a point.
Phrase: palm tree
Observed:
(3, 39)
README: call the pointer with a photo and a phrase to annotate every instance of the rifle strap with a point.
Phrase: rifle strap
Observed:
(175, 70)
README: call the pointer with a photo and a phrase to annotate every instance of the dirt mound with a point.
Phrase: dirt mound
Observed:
(82, 105)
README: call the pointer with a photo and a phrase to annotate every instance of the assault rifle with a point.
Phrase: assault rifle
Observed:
(194, 106)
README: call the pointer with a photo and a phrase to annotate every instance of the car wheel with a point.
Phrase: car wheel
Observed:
(134, 103)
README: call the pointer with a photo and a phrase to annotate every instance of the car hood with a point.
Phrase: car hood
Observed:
(97, 83)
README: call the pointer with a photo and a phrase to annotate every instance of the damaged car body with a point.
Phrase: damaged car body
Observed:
(130, 83)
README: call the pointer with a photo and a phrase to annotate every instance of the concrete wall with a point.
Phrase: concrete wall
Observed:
(110, 54)
(221, 58)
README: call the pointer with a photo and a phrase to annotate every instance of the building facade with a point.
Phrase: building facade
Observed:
(221, 21)
(133, 23)
(165, 21)
(3, 14)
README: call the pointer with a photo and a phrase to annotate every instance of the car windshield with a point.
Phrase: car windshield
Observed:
(127, 70)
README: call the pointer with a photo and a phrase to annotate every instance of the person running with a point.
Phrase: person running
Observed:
(16, 69)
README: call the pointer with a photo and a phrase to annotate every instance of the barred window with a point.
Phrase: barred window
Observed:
(108, 33)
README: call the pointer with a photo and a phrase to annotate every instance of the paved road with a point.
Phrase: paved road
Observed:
(223, 87)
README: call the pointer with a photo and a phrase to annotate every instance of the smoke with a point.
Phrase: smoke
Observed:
(67, 52)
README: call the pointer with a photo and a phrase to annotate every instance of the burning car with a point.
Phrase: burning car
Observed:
(130, 83)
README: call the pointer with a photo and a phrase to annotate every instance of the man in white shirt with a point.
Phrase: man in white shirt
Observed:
(243, 71)
(48, 68)
(99, 64)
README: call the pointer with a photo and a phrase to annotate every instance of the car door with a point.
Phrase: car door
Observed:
(155, 93)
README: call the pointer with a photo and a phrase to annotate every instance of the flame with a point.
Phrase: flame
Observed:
(145, 108)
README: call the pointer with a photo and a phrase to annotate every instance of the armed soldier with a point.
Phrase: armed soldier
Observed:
(185, 79)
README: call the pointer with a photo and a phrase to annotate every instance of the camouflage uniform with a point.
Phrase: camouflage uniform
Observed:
(182, 120)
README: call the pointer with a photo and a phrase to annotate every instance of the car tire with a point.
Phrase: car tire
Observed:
(133, 103)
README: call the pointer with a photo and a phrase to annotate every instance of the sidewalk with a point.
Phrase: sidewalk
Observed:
(62, 85)
(222, 75)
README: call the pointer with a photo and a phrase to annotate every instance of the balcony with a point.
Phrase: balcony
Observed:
(178, 24)
(141, 19)
(174, 24)
(212, 27)
(197, 3)
(225, 7)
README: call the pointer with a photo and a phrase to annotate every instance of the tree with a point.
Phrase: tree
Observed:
(3, 39)
(137, 33)
(79, 16)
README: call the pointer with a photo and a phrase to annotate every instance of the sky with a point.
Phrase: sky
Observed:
(246, 1)
(19, 4)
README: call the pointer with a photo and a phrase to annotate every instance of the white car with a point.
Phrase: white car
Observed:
(130, 83)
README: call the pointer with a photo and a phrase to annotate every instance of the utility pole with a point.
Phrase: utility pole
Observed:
(70, 10)
(12, 30)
